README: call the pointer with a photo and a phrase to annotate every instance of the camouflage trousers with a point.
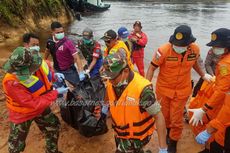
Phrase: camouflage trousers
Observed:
(131, 145)
(47, 122)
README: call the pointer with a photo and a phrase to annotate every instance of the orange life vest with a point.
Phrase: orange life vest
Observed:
(33, 85)
(128, 121)
(120, 44)
(175, 72)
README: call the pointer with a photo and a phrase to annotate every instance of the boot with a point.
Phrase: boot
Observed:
(204, 151)
(172, 146)
(167, 136)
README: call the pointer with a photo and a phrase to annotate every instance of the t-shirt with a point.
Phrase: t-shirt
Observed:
(63, 53)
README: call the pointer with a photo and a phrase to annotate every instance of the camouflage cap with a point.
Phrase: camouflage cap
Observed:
(114, 64)
(23, 62)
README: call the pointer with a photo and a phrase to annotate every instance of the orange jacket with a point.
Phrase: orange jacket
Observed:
(175, 70)
(120, 44)
(128, 121)
(222, 83)
(205, 92)
(26, 99)
(222, 121)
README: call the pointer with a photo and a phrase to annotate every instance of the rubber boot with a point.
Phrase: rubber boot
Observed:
(167, 136)
(204, 151)
(172, 146)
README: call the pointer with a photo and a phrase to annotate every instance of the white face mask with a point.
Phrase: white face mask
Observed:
(218, 51)
(179, 49)
(37, 48)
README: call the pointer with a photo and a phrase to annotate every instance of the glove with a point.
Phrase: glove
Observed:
(105, 109)
(197, 116)
(62, 90)
(207, 77)
(203, 137)
(87, 72)
(59, 77)
(81, 76)
(133, 39)
(165, 150)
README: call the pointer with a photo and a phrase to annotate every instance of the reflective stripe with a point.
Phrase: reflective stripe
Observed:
(30, 82)
(36, 86)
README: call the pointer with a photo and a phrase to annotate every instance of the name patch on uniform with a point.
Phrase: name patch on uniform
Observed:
(191, 57)
(172, 59)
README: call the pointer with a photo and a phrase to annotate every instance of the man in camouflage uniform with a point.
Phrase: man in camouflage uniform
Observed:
(28, 89)
(120, 78)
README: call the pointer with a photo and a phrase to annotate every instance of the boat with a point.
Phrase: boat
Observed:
(96, 5)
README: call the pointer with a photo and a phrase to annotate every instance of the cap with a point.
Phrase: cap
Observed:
(137, 23)
(109, 35)
(114, 64)
(182, 36)
(220, 38)
(123, 32)
(87, 33)
(23, 62)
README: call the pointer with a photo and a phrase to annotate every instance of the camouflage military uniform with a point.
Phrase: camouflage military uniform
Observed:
(47, 122)
(147, 103)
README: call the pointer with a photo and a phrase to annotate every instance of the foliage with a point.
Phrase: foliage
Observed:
(15, 12)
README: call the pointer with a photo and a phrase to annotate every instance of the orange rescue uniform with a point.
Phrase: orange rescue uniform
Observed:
(222, 121)
(173, 85)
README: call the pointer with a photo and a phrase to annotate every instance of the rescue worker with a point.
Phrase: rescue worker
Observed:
(28, 90)
(31, 41)
(113, 45)
(220, 128)
(64, 54)
(139, 40)
(133, 112)
(173, 87)
(91, 51)
(220, 40)
(123, 34)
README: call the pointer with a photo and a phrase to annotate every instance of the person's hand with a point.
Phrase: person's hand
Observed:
(133, 39)
(59, 77)
(207, 77)
(62, 90)
(203, 137)
(164, 150)
(81, 76)
(197, 116)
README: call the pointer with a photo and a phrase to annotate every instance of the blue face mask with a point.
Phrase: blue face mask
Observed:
(60, 36)
(87, 41)
(36, 48)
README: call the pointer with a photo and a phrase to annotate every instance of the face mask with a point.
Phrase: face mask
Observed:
(218, 51)
(124, 39)
(60, 36)
(87, 41)
(179, 50)
(37, 48)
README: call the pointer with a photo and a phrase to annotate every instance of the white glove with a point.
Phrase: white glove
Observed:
(87, 72)
(207, 77)
(164, 150)
(197, 116)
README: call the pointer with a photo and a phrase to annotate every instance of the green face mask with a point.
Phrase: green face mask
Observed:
(37, 48)
(87, 41)
(60, 36)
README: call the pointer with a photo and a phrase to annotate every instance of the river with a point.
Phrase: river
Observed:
(158, 20)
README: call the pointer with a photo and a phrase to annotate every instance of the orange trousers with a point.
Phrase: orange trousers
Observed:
(173, 110)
